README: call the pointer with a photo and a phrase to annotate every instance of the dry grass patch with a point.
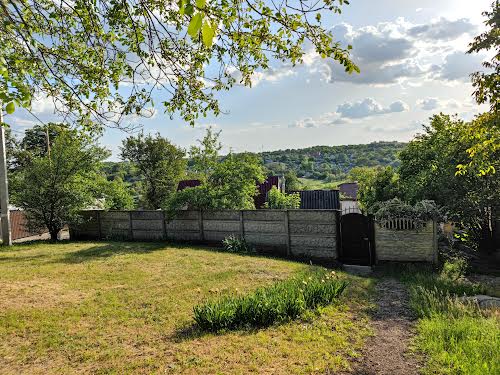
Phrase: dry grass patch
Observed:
(127, 308)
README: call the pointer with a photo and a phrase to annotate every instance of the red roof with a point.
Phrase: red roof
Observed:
(188, 183)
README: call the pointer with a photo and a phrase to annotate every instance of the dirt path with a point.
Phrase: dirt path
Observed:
(387, 352)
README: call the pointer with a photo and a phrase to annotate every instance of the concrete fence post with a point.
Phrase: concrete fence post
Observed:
(130, 228)
(164, 225)
(287, 229)
(200, 225)
(242, 225)
(435, 241)
(99, 229)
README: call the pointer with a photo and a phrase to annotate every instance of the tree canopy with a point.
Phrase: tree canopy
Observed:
(53, 189)
(100, 61)
(160, 163)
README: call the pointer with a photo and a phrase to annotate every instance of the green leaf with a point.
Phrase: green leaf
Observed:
(195, 25)
(208, 33)
(200, 4)
(189, 9)
(10, 108)
(182, 7)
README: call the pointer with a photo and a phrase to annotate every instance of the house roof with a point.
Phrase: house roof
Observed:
(187, 183)
(349, 189)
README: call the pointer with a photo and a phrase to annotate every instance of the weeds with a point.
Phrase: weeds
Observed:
(234, 244)
(277, 303)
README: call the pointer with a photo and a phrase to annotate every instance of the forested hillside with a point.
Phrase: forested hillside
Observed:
(332, 163)
(324, 164)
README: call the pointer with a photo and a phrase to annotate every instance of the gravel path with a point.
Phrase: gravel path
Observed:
(387, 352)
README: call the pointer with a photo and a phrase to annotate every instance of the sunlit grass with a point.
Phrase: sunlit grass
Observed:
(128, 308)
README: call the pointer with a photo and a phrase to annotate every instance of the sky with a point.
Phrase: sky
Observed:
(413, 64)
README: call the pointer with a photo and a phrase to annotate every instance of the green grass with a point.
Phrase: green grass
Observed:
(455, 337)
(280, 302)
(311, 184)
(118, 308)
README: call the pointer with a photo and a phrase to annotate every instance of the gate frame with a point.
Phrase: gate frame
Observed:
(372, 251)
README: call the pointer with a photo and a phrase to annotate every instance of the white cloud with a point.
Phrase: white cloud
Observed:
(42, 104)
(443, 29)
(429, 104)
(369, 107)
(458, 66)
(394, 52)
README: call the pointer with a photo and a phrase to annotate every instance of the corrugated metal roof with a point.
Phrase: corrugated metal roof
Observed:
(319, 199)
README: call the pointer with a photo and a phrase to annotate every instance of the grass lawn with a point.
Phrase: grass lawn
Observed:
(455, 337)
(127, 308)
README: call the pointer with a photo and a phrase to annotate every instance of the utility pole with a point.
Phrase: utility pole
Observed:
(4, 187)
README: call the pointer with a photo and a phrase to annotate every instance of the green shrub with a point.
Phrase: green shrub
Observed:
(277, 303)
(454, 269)
(234, 244)
(278, 200)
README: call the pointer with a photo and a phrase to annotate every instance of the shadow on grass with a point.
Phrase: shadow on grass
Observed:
(110, 249)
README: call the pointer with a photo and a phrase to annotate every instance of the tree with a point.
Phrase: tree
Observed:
(37, 142)
(52, 190)
(487, 84)
(278, 200)
(230, 185)
(292, 182)
(375, 184)
(117, 195)
(161, 165)
(483, 136)
(101, 60)
(204, 158)
(428, 172)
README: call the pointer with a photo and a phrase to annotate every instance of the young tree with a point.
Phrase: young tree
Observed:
(278, 200)
(52, 190)
(160, 163)
(292, 183)
(117, 195)
(204, 158)
(230, 185)
(375, 184)
(101, 60)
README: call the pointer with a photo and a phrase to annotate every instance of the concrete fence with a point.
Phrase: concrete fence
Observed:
(311, 234)
(405, 240)
(307, 234)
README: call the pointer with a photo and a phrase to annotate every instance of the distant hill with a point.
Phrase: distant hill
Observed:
(332, 163)
(319, 163)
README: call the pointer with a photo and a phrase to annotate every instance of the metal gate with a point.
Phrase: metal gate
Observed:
(357, 239)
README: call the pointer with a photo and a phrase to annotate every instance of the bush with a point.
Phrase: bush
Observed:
(454, 269)
(234, 244)
(277, 303)
(278, 200)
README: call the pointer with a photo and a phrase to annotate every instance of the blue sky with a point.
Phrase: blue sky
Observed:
(412, 61)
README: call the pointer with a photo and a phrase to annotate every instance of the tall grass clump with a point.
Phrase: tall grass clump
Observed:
(277, 303)
(456, 336)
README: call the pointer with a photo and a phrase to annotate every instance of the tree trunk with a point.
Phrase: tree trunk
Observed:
(53, 234)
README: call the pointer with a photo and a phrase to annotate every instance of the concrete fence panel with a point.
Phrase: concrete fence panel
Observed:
(403, 240)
